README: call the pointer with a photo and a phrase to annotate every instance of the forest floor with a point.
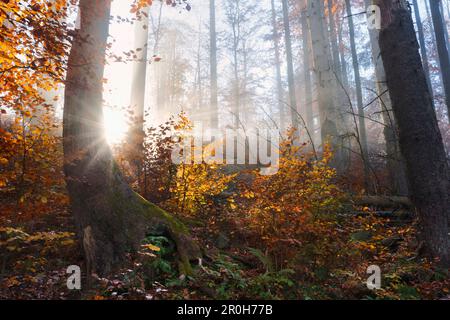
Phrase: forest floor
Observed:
(35, 256)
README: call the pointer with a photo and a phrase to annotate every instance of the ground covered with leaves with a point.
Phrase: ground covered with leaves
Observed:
(35, 256)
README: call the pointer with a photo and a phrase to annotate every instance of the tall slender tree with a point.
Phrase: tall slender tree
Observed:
(290, 65)
(213, 65)
(307, 101)
(138, 85)
(444, 22)
(325, 80)
(423, 47)
(433, 38)
(279, 82)
(333, 40)
(342, 48)
(362, 137)
(444, 57)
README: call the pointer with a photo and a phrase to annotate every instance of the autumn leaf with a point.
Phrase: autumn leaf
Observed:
(151, 247)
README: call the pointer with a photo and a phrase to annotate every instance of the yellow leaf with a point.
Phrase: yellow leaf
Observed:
(151, 247)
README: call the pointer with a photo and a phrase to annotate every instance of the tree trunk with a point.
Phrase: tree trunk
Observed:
(138, 85)
(307, 76)
(423, 47)
(213, 65)
(394, 162)
(325, 81)
(276, 39)
(362, 137)
(420, 139)
(333, 40)
(433, 37)
(343, 58)
(444, 23)
(290, 65)
(444, 58)
(111, 219)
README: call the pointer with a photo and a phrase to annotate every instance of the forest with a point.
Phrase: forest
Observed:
(224, 150)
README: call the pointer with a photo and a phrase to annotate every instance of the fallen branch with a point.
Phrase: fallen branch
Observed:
(384, 201)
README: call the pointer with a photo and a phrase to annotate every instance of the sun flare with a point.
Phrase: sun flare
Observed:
(115, 124)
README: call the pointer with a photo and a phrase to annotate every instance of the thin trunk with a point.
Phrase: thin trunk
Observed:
(433, 38)
(340, 95)
(276, 39)
(237, 91)
(444, 22)
(138, 85)
(343, 58)
(359, 98)
(423, 47)
(290, 65)
(333, 40)
(444, 58)
(111, 219)
(213, 66)
(307, 75)
(420, 138)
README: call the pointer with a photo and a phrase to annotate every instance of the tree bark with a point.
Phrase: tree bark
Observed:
(325, 81)
(276, 42)
(307, 76)
(444, 58)
(343, 58)
(420, 139)
(433, 38)
(138, 86)
(111, 219)
(362, 137)
(394, 162)
(444, 23)
(290, 66)
(213, 65)
(423, 47)
(333, 40)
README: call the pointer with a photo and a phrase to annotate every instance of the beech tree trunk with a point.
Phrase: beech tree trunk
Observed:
(276, 42)
(420, 139)
(333, 40)
(136, 134)
(290, 65)
(343, 58)
(433, 36)
(362, 137)
(307, 76)
(423, 47)
(111, 219)
(394, 162)
(213, 65)
(325, 80)
(441, 43)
